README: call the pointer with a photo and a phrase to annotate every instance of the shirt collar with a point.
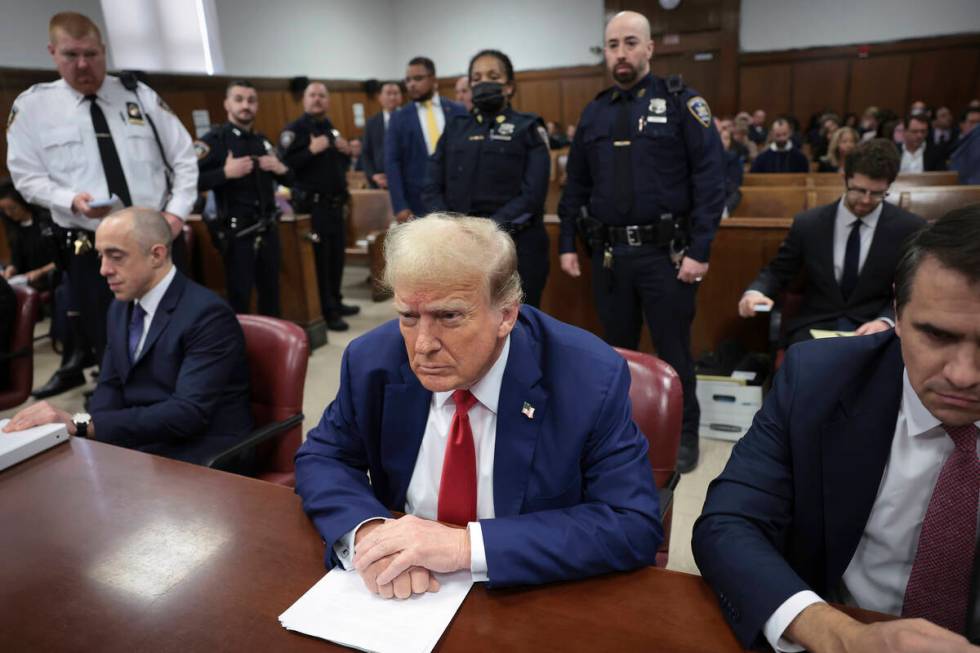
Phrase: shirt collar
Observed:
(918, 419)
(436, 103)
(845, 218)
(487, 389)
(775, 148)
(151, 300)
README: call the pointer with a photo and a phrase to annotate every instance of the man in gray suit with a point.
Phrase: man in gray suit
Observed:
(390, 98)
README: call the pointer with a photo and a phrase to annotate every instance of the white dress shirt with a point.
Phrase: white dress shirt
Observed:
(423, 122)
(878, 572)
(422, 498)
(53, 154)
(150, 302)
(913, 161)
(386, 116)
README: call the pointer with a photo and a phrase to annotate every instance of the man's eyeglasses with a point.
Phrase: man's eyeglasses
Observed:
(876, 195)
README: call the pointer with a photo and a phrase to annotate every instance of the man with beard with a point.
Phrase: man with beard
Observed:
(390, 98)
(412, 136)
(242, 168)
(319, 157)
(647, 166)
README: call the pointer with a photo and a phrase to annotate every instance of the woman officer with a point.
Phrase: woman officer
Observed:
(494, 163)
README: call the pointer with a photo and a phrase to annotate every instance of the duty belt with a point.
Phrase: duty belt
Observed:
(639, 234)
(74, 240)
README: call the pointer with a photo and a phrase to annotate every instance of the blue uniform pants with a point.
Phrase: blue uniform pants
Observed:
(247, 267)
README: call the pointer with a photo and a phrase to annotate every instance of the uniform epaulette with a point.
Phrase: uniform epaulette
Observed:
(675, 84)
(605, 92)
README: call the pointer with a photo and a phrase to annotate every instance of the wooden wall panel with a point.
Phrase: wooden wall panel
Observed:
(766, 87)
(703, 76)
(879, 81)
(542, 97)
(818, 86)
(945, 77)
(576, 93)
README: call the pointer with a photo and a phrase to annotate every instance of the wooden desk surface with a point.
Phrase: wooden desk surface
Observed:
(105, 549)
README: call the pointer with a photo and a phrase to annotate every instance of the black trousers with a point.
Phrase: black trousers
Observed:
(643, 284)
(90, 297)
(532, 262)
(328, 224)
(249, 265)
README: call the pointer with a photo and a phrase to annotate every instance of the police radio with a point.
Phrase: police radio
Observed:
(130, 82)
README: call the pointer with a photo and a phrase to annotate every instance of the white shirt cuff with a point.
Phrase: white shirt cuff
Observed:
(752, 292)
(780, 620)
(62, 199)
(344, 547)
(478, 554)
(887, 320)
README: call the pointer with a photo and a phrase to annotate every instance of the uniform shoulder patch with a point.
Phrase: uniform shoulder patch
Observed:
(698, 107)
(202, 149)
(543, 133)
(286, 138)
(12, 116)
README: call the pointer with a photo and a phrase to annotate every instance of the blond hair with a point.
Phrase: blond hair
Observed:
(75, 25)
(442, 249)
(832, 155)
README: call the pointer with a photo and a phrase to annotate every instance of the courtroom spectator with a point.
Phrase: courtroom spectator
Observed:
(973, 104)
(412, 135)
(757, 130)
(918, 153)
(827, 124)
(894, 131)
(852, 290)
(464, 95)
(746, 149)
(870, 121)
(570, 133)
(781, 155)
(919, 108)
(965, 158)
(857, 482)
(30, 238)
(850, 119)
(795, 134)
(885, 116)
(529, 404)
(734, 169)
(556, 138)
(969, 119)
(842, 143)
(375, 129)
(944, 131)
(174, 379)
(356, 156)
(8, 315)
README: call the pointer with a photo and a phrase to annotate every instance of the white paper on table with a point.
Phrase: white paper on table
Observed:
(340, 609)
(21, 445)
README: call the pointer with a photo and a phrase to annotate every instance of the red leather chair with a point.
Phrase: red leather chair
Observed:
(277, 352)
(658, 405)
(21, 355)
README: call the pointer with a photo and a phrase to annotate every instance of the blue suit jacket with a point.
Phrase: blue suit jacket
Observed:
(186, 396)
(573, 489)
(407, 157)
(789, 510)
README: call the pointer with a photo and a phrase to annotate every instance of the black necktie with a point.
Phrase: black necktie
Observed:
(622, 163)
(852, 254)
(114, 176)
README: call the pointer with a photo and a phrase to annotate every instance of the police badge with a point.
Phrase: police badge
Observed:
(134, 114)
(658, 106)
(286, 138)
(698, 107)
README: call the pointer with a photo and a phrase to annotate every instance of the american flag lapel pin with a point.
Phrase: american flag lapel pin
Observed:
(528, 410)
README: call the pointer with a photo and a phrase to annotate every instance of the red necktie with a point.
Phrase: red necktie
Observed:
(457, 490)
(939, 584)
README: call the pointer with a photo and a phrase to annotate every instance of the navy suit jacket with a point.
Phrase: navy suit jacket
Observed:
(374, 147)
(573, 490)
(186, 396)
(789, 510)
(407, 157)
(809, 248)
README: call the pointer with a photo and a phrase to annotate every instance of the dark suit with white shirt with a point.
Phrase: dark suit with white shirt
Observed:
(809, 250)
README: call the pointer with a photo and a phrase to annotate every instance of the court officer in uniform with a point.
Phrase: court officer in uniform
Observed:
(86, 138)
(646, 190)
(242, 168)
(493, 163)
(319, 158)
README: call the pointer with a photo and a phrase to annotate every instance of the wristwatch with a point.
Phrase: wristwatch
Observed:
(81, 422)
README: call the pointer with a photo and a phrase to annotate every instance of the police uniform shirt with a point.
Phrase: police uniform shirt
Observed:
(252, 195)
(52, 153)
(676, 158)
(325, 172)
(494, 166)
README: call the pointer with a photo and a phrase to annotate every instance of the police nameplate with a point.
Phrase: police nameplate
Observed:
(134, 114)
(698, 107)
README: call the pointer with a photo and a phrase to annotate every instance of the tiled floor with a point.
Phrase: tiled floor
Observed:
(322, 381)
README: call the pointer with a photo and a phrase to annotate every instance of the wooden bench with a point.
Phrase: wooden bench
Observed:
(370, 213)
(835, 179)
(934, 202)
(356, 180)
(771, 201)
(775, 179)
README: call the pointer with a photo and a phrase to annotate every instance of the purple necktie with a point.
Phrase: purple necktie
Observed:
(939, 584)
(135, 330)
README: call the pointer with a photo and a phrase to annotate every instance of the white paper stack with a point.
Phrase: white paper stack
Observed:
(340, 609)
(21, 445)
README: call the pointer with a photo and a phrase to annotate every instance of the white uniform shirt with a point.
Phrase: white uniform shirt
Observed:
(53, 155)
(878, 572)
(422, 497)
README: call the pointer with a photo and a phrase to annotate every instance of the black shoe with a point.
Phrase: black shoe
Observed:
(346, 310)
(687, 457)
(337, 324)
(59, 383)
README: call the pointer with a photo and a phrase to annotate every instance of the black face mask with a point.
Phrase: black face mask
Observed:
(489, 97)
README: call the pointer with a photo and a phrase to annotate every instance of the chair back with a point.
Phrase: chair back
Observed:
(21, 366)
(278, 352)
